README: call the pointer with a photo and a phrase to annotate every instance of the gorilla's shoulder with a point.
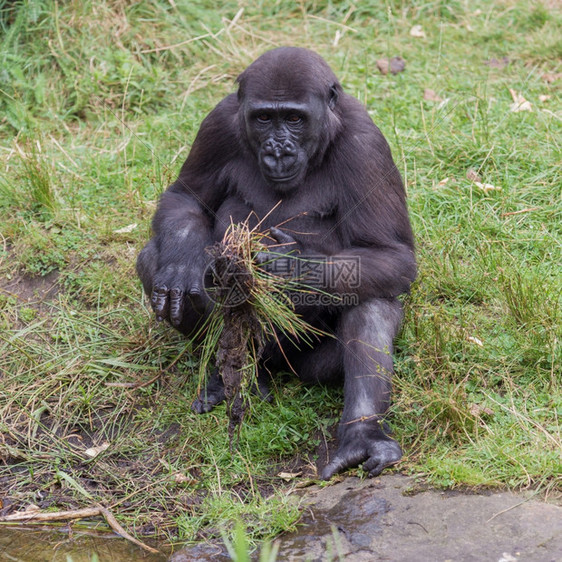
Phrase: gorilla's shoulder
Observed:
(226, 109)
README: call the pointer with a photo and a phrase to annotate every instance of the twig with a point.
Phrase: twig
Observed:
(31, 516)
(134, 384)
(511, 507)
(187, 41)
(51, 516)
(114, 524)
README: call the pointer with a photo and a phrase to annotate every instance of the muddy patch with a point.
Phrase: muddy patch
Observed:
(30, 289)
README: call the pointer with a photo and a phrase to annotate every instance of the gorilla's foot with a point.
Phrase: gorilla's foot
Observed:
(210, 396)
(365, 443)
(213, 393)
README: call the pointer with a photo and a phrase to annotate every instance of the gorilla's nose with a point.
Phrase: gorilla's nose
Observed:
(279, 157)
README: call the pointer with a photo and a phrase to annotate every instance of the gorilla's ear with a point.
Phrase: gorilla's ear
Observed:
(333, 96)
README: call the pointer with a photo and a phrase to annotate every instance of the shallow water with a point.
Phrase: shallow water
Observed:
(25, 545)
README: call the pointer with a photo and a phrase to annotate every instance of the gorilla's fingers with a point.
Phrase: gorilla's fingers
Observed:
(281, 237)
(337, 465)
(159, 301)
(262, 258)
(197, 296)
(195, 289)
(176, 306)
(211, 395)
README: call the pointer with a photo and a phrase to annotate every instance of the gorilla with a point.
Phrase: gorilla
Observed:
(292, 152)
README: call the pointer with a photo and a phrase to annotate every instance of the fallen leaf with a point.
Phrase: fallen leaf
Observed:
(519, 102)
(382, 65)
(475, 340)
(472, 175)
(477, 410)
(485, 187)
(543, 98)
(430, 95)
(126, 229)
(417, 31)
(443, 182)
(395, 65)
(93, 452)
(551, 77)
(497, 63)
(288, 476)
(31, 508)
(180, 478)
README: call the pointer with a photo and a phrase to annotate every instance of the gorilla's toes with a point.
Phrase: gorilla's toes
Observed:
(206, 400)
(201, 406)
(382, 455)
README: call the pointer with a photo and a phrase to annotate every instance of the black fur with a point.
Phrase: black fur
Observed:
(291, 140)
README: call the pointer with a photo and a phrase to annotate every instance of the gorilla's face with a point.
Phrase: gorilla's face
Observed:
(284, 134)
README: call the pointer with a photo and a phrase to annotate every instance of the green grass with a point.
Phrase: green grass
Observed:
(99, 103)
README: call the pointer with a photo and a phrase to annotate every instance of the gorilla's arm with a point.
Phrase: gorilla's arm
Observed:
(185, 217)
(372, 221)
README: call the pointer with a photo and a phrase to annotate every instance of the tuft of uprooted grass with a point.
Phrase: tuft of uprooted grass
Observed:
(251, 307)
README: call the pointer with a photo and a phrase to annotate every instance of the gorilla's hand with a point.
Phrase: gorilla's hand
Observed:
(281, 258)
(363, 442)
(176, 286)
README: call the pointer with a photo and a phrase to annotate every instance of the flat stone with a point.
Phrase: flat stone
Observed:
(385, 519)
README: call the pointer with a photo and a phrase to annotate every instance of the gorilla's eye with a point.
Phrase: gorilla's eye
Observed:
(263, 118)
(294, 118)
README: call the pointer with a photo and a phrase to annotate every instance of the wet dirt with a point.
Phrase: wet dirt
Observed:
(31, 289)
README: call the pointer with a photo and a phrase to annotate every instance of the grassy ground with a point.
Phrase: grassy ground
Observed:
(99, 102)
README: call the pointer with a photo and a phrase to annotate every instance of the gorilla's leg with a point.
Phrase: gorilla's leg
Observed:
(322, 364)
(193, 315)
(367, 333)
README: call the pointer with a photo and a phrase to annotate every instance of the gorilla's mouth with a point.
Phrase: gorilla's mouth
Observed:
(282, 179)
